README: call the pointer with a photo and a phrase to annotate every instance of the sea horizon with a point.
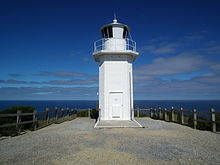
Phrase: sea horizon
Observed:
(134, 100)
(41, 105)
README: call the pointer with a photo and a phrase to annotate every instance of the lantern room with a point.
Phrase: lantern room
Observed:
(115, 30)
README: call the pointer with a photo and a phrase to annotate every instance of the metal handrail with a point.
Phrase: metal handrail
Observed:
(100, 44)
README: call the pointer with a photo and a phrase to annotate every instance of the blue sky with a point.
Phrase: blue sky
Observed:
(46, 48)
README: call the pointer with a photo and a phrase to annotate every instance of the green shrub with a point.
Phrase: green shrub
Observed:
(83, 113)
(205, 124)
(141, 114)
(7, 120)
(94, 114)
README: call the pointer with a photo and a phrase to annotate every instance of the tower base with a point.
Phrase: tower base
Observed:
(117, 124)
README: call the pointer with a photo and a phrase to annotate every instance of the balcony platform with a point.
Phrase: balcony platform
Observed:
(117, 124)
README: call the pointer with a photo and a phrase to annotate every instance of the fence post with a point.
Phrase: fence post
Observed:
(159, 113)
(47, 115)
(68, 111)
(138, 113)
(62, 112)
(213, 120)
(182, 116)
(172, 114)
(71, 112)
(35, 120)
(151, 113)
(75, 109)
(155, 114)
(89, 112)
(194, 119)
(165, 114)
(56, 113)
(18, 127)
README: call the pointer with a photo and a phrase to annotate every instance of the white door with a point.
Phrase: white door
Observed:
(116, 105)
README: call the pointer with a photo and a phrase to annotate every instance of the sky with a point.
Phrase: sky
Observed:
(46, 48)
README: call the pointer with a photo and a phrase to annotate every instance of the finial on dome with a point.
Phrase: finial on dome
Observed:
(114, 20)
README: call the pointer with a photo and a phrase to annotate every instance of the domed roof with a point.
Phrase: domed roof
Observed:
(115, 24)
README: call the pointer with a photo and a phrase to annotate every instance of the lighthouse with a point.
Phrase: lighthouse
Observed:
(115, 53)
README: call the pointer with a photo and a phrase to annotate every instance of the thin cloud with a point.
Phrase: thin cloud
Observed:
(213, 49)
(197, 88)
(208, 78)
(12, 81)
(62, 74)
(74, 53)
(194, 37)
(158, 39)
(167, 45)
(148, 82)
(162, 48)
(183, 63)
(71, 82)
(54, 93)
(85, 59)
(90, 80)
(215, 68)
(15, 75)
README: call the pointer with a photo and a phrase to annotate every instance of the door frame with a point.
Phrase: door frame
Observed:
(110, 107)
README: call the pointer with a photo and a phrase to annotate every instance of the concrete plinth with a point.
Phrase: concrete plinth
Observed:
(117, 124)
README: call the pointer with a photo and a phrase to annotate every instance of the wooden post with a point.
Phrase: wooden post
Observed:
(62, 112)
(75, 109)
(47, 115)
(160, 113)
(155, 114)
(194, 119)
(18, 126)
(89, 112)
(172, 114)
(71, 112)
(68, 111)
(213, 120)
(97, 107)
(151, 113)
(165, 114)
(182, 116)
(56, 113)
(35, 120)
(138, 113)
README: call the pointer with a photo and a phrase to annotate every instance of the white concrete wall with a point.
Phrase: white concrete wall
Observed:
(101, 90)
(114, 44)
(114, 77)
(117, 32)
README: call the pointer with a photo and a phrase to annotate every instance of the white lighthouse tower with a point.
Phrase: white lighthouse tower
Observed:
(115, 53)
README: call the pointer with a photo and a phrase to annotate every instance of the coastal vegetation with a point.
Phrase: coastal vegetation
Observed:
(36, 120)
(11, 130)
(25, 118)
(198, 120)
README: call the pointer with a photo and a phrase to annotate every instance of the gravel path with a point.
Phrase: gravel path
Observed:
(77, 142)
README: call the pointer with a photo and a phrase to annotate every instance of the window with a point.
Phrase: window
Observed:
(107, 32)
(110, 31)
(125, 32)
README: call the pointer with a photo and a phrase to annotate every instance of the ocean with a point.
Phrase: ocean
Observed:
(199, 105)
